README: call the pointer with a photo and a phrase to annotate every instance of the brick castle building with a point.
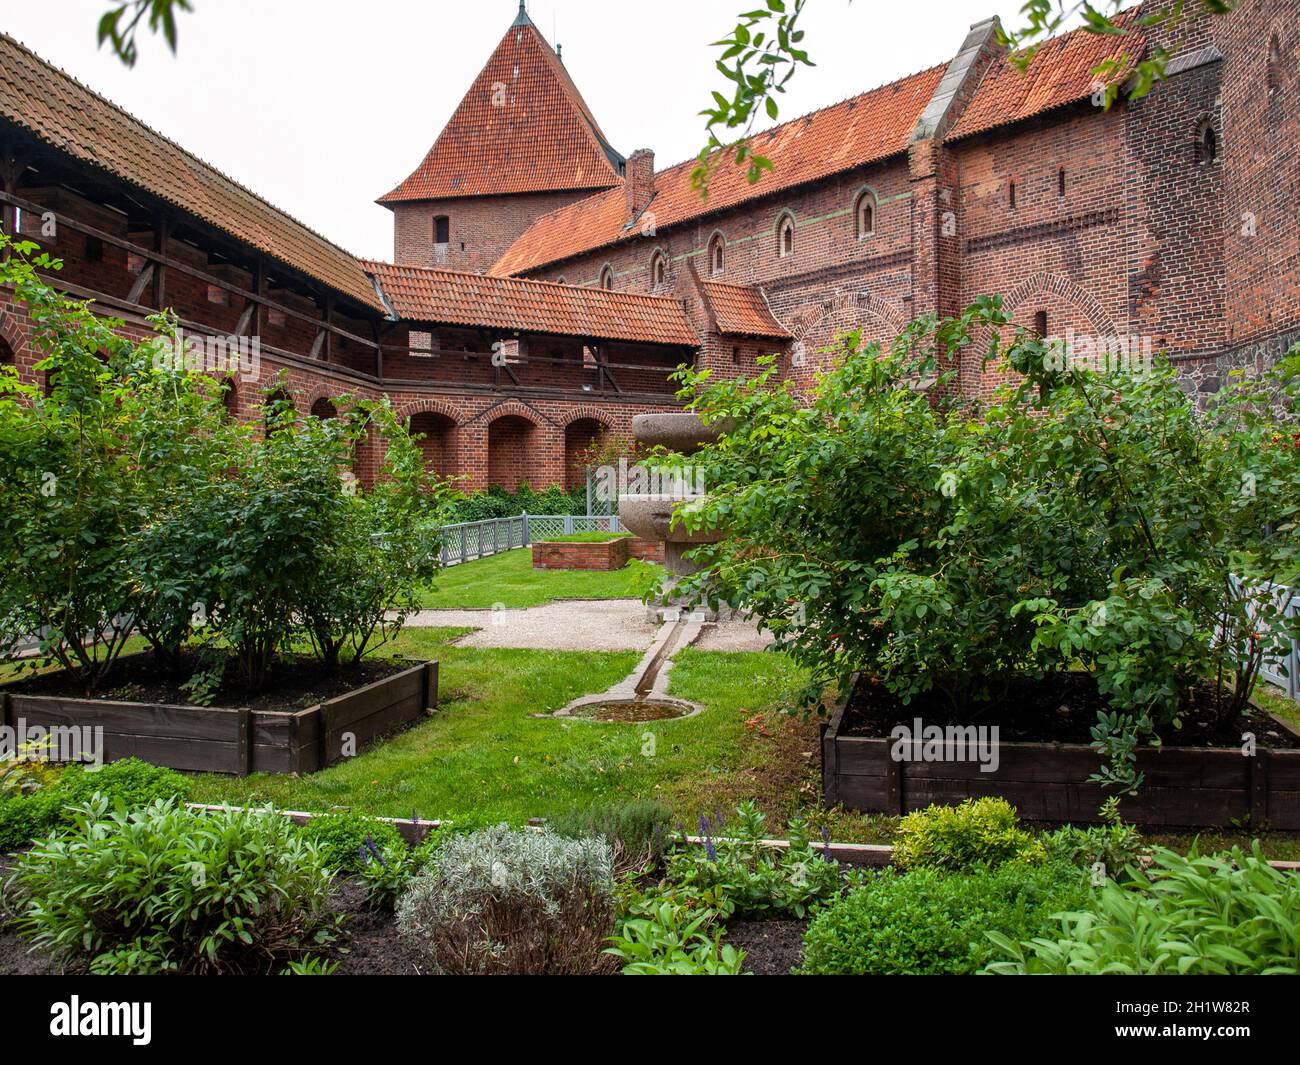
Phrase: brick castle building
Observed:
(544, 285)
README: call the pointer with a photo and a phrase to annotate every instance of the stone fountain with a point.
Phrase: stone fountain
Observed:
(650, 515)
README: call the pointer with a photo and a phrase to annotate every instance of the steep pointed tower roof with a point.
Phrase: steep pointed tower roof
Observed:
(522, 127)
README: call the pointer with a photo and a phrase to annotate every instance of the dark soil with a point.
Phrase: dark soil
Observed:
(1059, 709)
(637, 711)
(16, 957)
(371, 945)
(772, 948)
(292, 683)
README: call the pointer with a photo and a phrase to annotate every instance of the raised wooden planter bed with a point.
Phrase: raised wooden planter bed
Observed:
(1184, 787)
(585, 554)
(213, 739)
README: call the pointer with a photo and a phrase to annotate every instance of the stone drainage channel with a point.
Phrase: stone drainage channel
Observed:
(643, 694)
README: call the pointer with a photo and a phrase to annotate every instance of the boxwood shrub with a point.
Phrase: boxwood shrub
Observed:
(128, 784)
(977, 832)
(929, 922)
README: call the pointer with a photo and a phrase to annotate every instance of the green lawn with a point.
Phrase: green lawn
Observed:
(509, 579)
(1274, 698)
(483, 759)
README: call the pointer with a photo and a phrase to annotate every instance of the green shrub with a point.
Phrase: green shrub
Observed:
(977, 832)
(24, 818)
(930, 922)
(506, 901)
(128, 784)
(672, 932)
(1107, 850)
(1231, 914)
(169, 889)
(1070, 520)
(638, 831)
(342, 838)
(754, 880)
(387, 871)
(496, 502)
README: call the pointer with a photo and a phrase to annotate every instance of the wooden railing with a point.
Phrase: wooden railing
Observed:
(602, 375)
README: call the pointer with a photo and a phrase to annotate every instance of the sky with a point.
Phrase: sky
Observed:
(322, 106)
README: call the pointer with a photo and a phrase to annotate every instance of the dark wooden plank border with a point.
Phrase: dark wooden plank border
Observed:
(238, 741)
(1185, 786)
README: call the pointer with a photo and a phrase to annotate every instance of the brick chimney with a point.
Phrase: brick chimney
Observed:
(639, 181)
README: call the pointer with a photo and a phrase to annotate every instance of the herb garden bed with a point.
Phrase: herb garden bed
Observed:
(1198, 779)
(270, 735)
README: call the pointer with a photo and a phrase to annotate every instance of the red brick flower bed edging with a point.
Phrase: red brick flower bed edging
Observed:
(575, 554)
(212, 739)
(1183, 787)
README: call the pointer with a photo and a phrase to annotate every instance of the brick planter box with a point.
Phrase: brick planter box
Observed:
(212, 739)
(591, 555)
(646, 550)
(1184, 787)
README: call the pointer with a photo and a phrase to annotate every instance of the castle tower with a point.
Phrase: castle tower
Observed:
(522, 142)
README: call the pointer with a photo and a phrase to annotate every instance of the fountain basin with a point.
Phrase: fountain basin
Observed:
(681, 432)
(629, 711)
(651, 517)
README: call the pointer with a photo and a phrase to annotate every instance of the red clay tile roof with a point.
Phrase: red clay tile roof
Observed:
(1060, 73)
(66, 115)
(865, 128)
(742, 310)
(449, 297)
(542, 137)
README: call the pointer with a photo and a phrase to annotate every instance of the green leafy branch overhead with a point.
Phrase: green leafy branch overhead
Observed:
(763, 52)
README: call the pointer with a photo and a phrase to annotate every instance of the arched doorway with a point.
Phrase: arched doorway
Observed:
(439, 441)
(512, 442)
(579, 435)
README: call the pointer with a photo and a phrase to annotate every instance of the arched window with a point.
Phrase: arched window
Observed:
(442, 229)
(607, 276)
(230, 398)
(658, 269)
(864, 214)
(561, 280)
(324, 409)
(1207, 142)
(1011, 195)
(785, 236)
(1274, 66)
(717, 255)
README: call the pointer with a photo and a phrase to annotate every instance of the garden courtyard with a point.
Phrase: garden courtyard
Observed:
(330, 747)
(485, 757)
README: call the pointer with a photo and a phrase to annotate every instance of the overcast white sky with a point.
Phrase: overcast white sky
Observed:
(321, 106)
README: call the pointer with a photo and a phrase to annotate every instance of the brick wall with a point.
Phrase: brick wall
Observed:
(1151, 238)
(480, 228)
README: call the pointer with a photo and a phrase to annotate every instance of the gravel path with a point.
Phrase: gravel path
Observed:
(581, 625)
